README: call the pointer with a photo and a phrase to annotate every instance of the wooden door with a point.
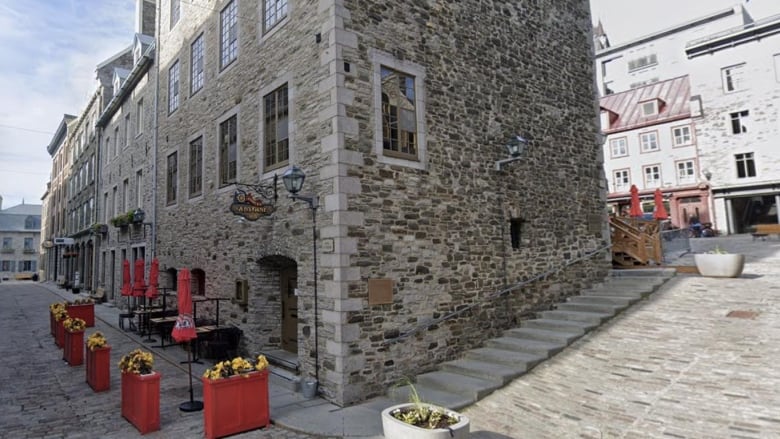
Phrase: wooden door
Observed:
(289, 283)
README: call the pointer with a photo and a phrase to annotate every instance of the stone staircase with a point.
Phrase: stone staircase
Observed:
(480, 371)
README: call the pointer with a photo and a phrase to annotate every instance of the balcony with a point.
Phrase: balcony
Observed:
(6, 250)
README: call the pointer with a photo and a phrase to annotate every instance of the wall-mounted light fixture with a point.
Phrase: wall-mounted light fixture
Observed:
(516, 148)
(138, 215)
(708, 175)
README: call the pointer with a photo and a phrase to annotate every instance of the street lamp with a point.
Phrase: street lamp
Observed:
(516, 146)
(293, 179)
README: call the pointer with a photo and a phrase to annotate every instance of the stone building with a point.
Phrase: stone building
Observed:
(398, 114)
(127, 157)
(20, 234)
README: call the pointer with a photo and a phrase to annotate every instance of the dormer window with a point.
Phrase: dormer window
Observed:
(651, 107)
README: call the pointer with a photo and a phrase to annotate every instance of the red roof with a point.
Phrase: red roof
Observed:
(626, 110)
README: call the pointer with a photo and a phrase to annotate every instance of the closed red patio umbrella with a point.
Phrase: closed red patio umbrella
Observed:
(126, 290)
(636, 208)
(138, 284)
(184, 330)
(660, 210)
(154, 274)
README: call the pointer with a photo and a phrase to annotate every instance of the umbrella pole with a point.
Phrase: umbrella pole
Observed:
(191, 405)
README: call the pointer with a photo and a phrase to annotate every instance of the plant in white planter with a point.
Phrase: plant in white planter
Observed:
(420, 420)
(719, 263)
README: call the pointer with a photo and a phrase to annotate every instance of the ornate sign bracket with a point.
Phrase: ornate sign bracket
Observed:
(252, 207)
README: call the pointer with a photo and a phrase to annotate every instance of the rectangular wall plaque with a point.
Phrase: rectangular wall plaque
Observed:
(380, 291)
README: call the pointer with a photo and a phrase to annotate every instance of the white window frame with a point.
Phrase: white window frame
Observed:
(379, 59)
(686, 172)
(733, 78)
(748, 161)
(680, 138)
(646, 144)
(228, 34)
(649, 108)
(654, 171)
(621, 180)
(174, 89)
(618, 147)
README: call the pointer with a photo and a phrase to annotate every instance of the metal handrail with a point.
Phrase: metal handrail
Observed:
(495, 295)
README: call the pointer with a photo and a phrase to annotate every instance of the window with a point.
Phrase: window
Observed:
(649, 108)
(114, 202)
(7, 243)
(228, 30)
(32, 223)
(175, 12)
(277, 144)
(172, 178)
(649, 141)
(273, 12)
(652, 176)
(196, 167)
(399, 119)
(642, 62)
(116, 140)
(739, 122)
(26, 266)
(746, 166)
(196, 63)
(173, 87)
(106, 216)
(622, 181)
(108, 148)
(7, 266)
(733, 78)
(681, 135)
(139, 185)
(228, 151)
(515, 232)
(686, 172)
(128, 130)
(28, 244)
(139, 117)
(619, 147)
(125, 194)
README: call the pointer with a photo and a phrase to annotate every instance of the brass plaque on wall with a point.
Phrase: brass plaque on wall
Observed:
(380, 291)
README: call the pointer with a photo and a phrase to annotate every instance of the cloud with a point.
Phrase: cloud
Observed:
(58, 45)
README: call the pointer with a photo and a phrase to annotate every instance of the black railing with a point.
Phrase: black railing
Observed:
(495, 295)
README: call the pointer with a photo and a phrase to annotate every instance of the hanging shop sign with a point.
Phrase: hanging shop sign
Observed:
(248, 206)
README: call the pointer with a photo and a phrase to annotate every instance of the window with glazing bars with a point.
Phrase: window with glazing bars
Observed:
(277, 142)
(399, 114)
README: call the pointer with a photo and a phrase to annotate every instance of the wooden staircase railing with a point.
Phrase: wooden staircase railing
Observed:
(635, 242)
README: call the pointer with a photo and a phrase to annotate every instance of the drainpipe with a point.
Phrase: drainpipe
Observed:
(155, 128)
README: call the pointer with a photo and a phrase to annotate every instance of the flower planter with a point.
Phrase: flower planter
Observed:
(235, 404)
(84, 311)
(73, 350)
(59, 333)
(396, 429)
(720, 264)
(98, 368)
(141, 401)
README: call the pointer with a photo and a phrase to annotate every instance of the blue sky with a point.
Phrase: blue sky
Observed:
(50, 49)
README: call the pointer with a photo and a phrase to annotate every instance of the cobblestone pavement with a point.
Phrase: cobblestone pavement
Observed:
(675, 366)
(42, 397)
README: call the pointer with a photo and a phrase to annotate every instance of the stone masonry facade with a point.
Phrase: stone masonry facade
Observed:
(397, 112)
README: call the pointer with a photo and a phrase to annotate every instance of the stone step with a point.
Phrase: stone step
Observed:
(595, 318)
(546, 348)
(623, 292)
(442, 398)
(665, 273)
(616, 300)
(469, 386)
(607, 308)
(566, 325)
(645, 280)
(481, 368)
(522, 360)
(554, 335)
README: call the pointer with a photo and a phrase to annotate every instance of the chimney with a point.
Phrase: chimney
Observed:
(145, 11)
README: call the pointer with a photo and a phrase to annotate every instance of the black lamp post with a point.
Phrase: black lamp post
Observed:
(515, 147)
(138, 216)
(293, 180)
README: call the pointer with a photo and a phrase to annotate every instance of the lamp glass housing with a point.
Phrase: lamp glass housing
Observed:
(516, 146)
(293, 179)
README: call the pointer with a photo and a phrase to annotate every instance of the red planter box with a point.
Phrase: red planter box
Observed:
(59, 333)
(235, 404)
(73, 351)
(98, 368)
(84, 312)
(141, 401)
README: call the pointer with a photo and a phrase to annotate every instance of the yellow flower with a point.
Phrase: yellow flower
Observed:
(261, 363)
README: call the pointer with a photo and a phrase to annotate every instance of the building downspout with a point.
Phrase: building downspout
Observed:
(98, 237)
(155, 128)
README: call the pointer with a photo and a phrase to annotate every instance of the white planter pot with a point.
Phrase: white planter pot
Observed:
(395, 429)
(720, 265)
